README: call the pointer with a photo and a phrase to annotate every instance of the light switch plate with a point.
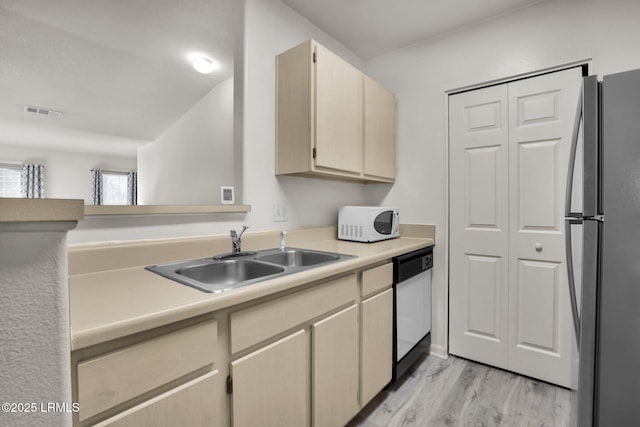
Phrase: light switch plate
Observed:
(280, 212)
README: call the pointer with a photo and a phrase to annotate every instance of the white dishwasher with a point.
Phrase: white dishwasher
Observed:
(412, 308)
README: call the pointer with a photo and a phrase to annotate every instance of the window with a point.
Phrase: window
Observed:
(114, 190)
(10, 180)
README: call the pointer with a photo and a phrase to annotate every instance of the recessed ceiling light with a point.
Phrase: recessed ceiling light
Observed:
(204, 65)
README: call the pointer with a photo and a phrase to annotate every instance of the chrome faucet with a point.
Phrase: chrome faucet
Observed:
(236, 240)
(282, 243)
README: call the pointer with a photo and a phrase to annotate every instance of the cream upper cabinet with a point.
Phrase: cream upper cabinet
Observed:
(332, 120)
(379, 131)
(338, 114)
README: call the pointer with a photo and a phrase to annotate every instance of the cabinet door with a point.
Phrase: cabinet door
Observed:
(335, 368)
(379, 130)
(377, 344)
(338, 95)
(191, 404)
(271, 385)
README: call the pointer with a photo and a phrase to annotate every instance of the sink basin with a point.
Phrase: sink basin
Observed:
(298, 258)
(211, 275)
(230, 271)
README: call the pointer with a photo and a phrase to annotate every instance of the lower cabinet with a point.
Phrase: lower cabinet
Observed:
(312, 357)
(183, 405)
(334, 343)
(335, 356)
(162, 379)
(271, 385)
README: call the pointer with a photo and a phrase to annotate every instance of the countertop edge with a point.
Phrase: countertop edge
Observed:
(40, 210)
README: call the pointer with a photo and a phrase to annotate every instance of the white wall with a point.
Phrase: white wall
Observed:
(543, 36)
(67, 173)
(189, 162)
(271, 27)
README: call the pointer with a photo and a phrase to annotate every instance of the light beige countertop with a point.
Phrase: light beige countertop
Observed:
(110, 304)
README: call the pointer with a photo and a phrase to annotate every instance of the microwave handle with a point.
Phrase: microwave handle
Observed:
(396, 223)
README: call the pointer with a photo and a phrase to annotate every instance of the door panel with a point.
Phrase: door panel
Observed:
(538, 189)
(482, 187)
(538, 287)
(541, 116)
(483, 291)
(479, 225)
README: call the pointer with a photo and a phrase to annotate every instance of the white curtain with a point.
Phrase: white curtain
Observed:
(96, 186)
(32, 181)
(132, 188)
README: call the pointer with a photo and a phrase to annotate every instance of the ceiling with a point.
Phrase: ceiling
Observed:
(121, 68)
(120, 71)
(374, 27)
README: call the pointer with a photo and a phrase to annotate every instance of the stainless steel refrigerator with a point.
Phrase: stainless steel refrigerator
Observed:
(603, 251)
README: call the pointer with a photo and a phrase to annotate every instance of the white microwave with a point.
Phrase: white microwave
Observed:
(368, 223)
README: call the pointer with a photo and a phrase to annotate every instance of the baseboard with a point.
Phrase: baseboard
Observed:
(438, 351)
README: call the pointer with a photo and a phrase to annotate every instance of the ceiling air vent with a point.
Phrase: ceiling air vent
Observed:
(42, 111)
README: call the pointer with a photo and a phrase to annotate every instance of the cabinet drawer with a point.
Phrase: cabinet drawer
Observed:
(258, 323)
(377, 279)
(111, 379)
(191, 404)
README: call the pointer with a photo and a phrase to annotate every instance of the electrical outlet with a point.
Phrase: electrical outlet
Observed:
(280, 212)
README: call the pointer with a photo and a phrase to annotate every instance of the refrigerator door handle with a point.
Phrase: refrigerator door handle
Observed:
(571, 277)
(572, 156)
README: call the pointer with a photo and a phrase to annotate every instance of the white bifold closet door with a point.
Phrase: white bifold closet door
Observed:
(509, 153)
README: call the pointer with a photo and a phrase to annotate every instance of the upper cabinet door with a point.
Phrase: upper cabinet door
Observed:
(332, 121)
(338, 113)
(379, 130)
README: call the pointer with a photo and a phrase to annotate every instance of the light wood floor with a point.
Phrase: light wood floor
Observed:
(458, 392)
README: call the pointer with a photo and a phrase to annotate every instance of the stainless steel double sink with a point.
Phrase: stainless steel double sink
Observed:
(231, 271)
